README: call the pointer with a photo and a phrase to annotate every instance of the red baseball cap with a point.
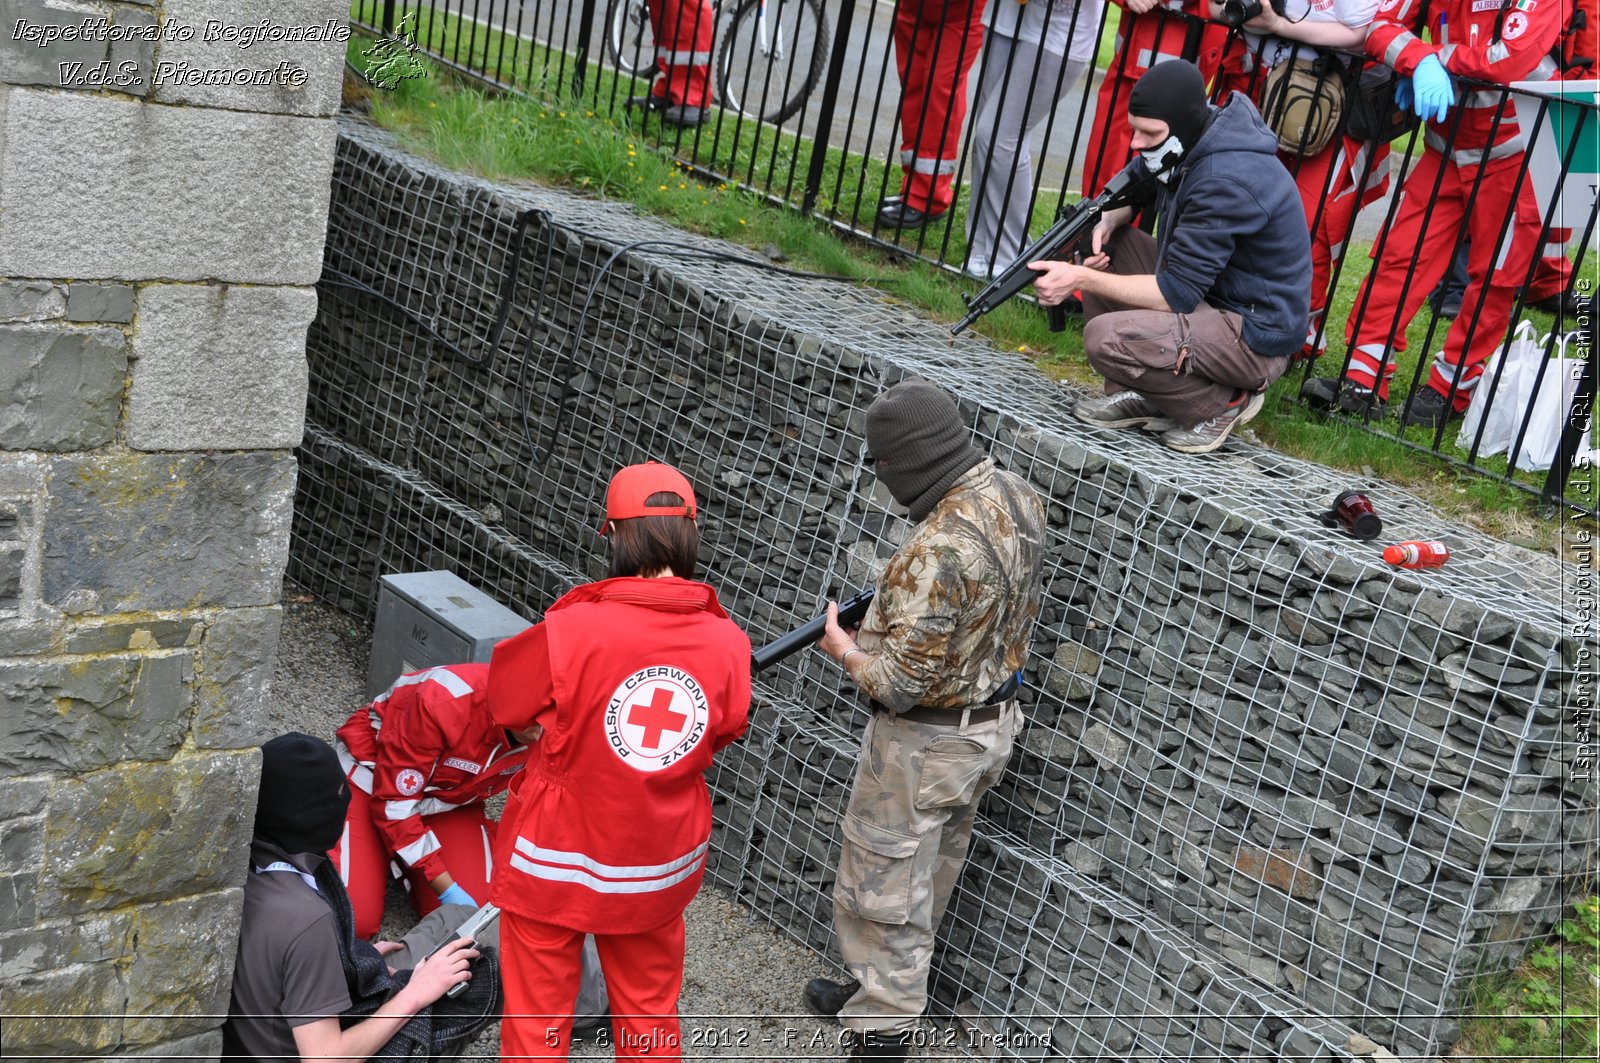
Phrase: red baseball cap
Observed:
(625, 498)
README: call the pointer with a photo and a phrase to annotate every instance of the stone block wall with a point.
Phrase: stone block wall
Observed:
(161, 224)
(1272, 792)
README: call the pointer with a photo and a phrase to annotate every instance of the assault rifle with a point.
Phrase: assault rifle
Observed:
(1072, 225)
(850, 613)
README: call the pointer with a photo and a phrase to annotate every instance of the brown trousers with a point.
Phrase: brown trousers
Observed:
(1139, 350)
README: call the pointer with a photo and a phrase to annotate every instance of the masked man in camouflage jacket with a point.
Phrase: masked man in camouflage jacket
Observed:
(939, 653)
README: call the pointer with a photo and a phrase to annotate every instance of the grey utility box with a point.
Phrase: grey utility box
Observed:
(429, 618)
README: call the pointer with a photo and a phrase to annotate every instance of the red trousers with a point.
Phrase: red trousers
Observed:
(540, 965)
(935, 44)
(466, 838)
(1334, 185)
(1142, 41)
(683, 30)
(1389, 300)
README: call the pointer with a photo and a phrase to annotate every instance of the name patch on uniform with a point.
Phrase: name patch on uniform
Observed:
(464, 765)
(1485, 5)
(409, 781)
(656, 717)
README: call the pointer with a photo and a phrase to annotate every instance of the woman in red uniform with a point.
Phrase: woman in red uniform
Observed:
(636, 681)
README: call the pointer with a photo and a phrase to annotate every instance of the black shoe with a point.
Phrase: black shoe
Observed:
(825, 997)
(1428, 408)
(894, 213)
(683, 115)
(1564, 304)
(646, 104)
(1319, 392)
(1322, 393)
(873, 1045)
(1359, 401)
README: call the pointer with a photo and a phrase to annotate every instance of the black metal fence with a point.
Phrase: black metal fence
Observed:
(956, 156)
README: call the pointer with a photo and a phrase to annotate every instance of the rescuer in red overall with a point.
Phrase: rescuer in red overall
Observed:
(635, 681)
(1149, 32)
(683, 31)
(422, 758)
(1470, 181)
(935, 45)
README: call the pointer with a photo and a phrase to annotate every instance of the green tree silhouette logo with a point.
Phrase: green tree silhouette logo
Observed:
(394, 58)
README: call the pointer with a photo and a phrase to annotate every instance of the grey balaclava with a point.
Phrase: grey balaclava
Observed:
(922, 445)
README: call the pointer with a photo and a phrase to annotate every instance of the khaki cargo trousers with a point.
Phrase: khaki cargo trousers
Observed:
(1189, 366)
(906, 831)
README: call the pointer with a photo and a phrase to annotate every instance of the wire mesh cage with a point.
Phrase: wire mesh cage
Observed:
(1271, 792)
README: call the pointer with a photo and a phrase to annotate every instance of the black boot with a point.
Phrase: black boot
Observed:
(825, 997)
(874, 1045)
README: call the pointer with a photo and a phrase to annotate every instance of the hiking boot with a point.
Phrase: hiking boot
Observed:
(1359, 401)
(1210, 434)
(1428, 408)
(1125, 409)
(1323, 393)
(824, 996)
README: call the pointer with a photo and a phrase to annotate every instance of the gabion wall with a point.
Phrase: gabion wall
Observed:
(1272, 793)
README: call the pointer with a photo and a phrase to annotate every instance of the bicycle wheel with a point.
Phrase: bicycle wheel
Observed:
(630, 40)
(766, 67)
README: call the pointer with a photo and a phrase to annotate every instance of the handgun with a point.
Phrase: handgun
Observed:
(474, 925)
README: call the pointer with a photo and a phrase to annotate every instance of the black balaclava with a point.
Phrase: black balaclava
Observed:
(1173, 91)
(916, 433)
(303, 797)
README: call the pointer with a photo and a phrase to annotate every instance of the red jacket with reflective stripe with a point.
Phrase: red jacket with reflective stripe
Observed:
(636, 682)
(426, 745)
(1463, 39)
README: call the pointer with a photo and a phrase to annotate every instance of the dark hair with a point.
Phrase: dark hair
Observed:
(647, 544)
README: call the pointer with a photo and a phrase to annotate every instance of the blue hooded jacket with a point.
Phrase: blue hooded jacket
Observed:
(1232, 232)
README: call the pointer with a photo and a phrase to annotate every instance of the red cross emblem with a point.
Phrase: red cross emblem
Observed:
(656, 718)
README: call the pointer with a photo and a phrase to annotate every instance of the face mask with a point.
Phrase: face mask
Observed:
(1162, 160)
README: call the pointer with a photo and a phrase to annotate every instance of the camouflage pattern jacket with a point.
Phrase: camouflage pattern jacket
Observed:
(956, 605)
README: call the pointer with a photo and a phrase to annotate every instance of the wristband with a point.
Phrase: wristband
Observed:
(844, 659)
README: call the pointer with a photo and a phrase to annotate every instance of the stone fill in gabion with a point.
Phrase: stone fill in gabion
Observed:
(1271, 792)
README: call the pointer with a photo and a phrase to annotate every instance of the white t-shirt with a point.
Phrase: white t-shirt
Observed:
(1049, 23)
(1353, 13)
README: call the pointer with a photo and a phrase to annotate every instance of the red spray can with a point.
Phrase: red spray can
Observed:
(1416, 554)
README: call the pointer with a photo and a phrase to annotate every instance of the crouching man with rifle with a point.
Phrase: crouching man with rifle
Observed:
(1192, 326)
(939, 652)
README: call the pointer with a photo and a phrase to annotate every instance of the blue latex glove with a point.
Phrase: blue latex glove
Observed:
(1431, 86)
(1402, 94)
(456, 895)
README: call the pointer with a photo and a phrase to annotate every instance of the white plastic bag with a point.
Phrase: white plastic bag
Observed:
(1550, 405)
(1501, 416)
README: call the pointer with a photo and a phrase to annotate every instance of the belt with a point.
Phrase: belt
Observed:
(989, 710)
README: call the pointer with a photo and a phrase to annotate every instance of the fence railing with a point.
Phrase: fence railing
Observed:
(802, 101)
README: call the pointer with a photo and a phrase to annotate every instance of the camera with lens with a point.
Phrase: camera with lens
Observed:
(1237, 12)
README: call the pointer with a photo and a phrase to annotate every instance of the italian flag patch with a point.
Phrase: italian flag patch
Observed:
(1524, 5)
